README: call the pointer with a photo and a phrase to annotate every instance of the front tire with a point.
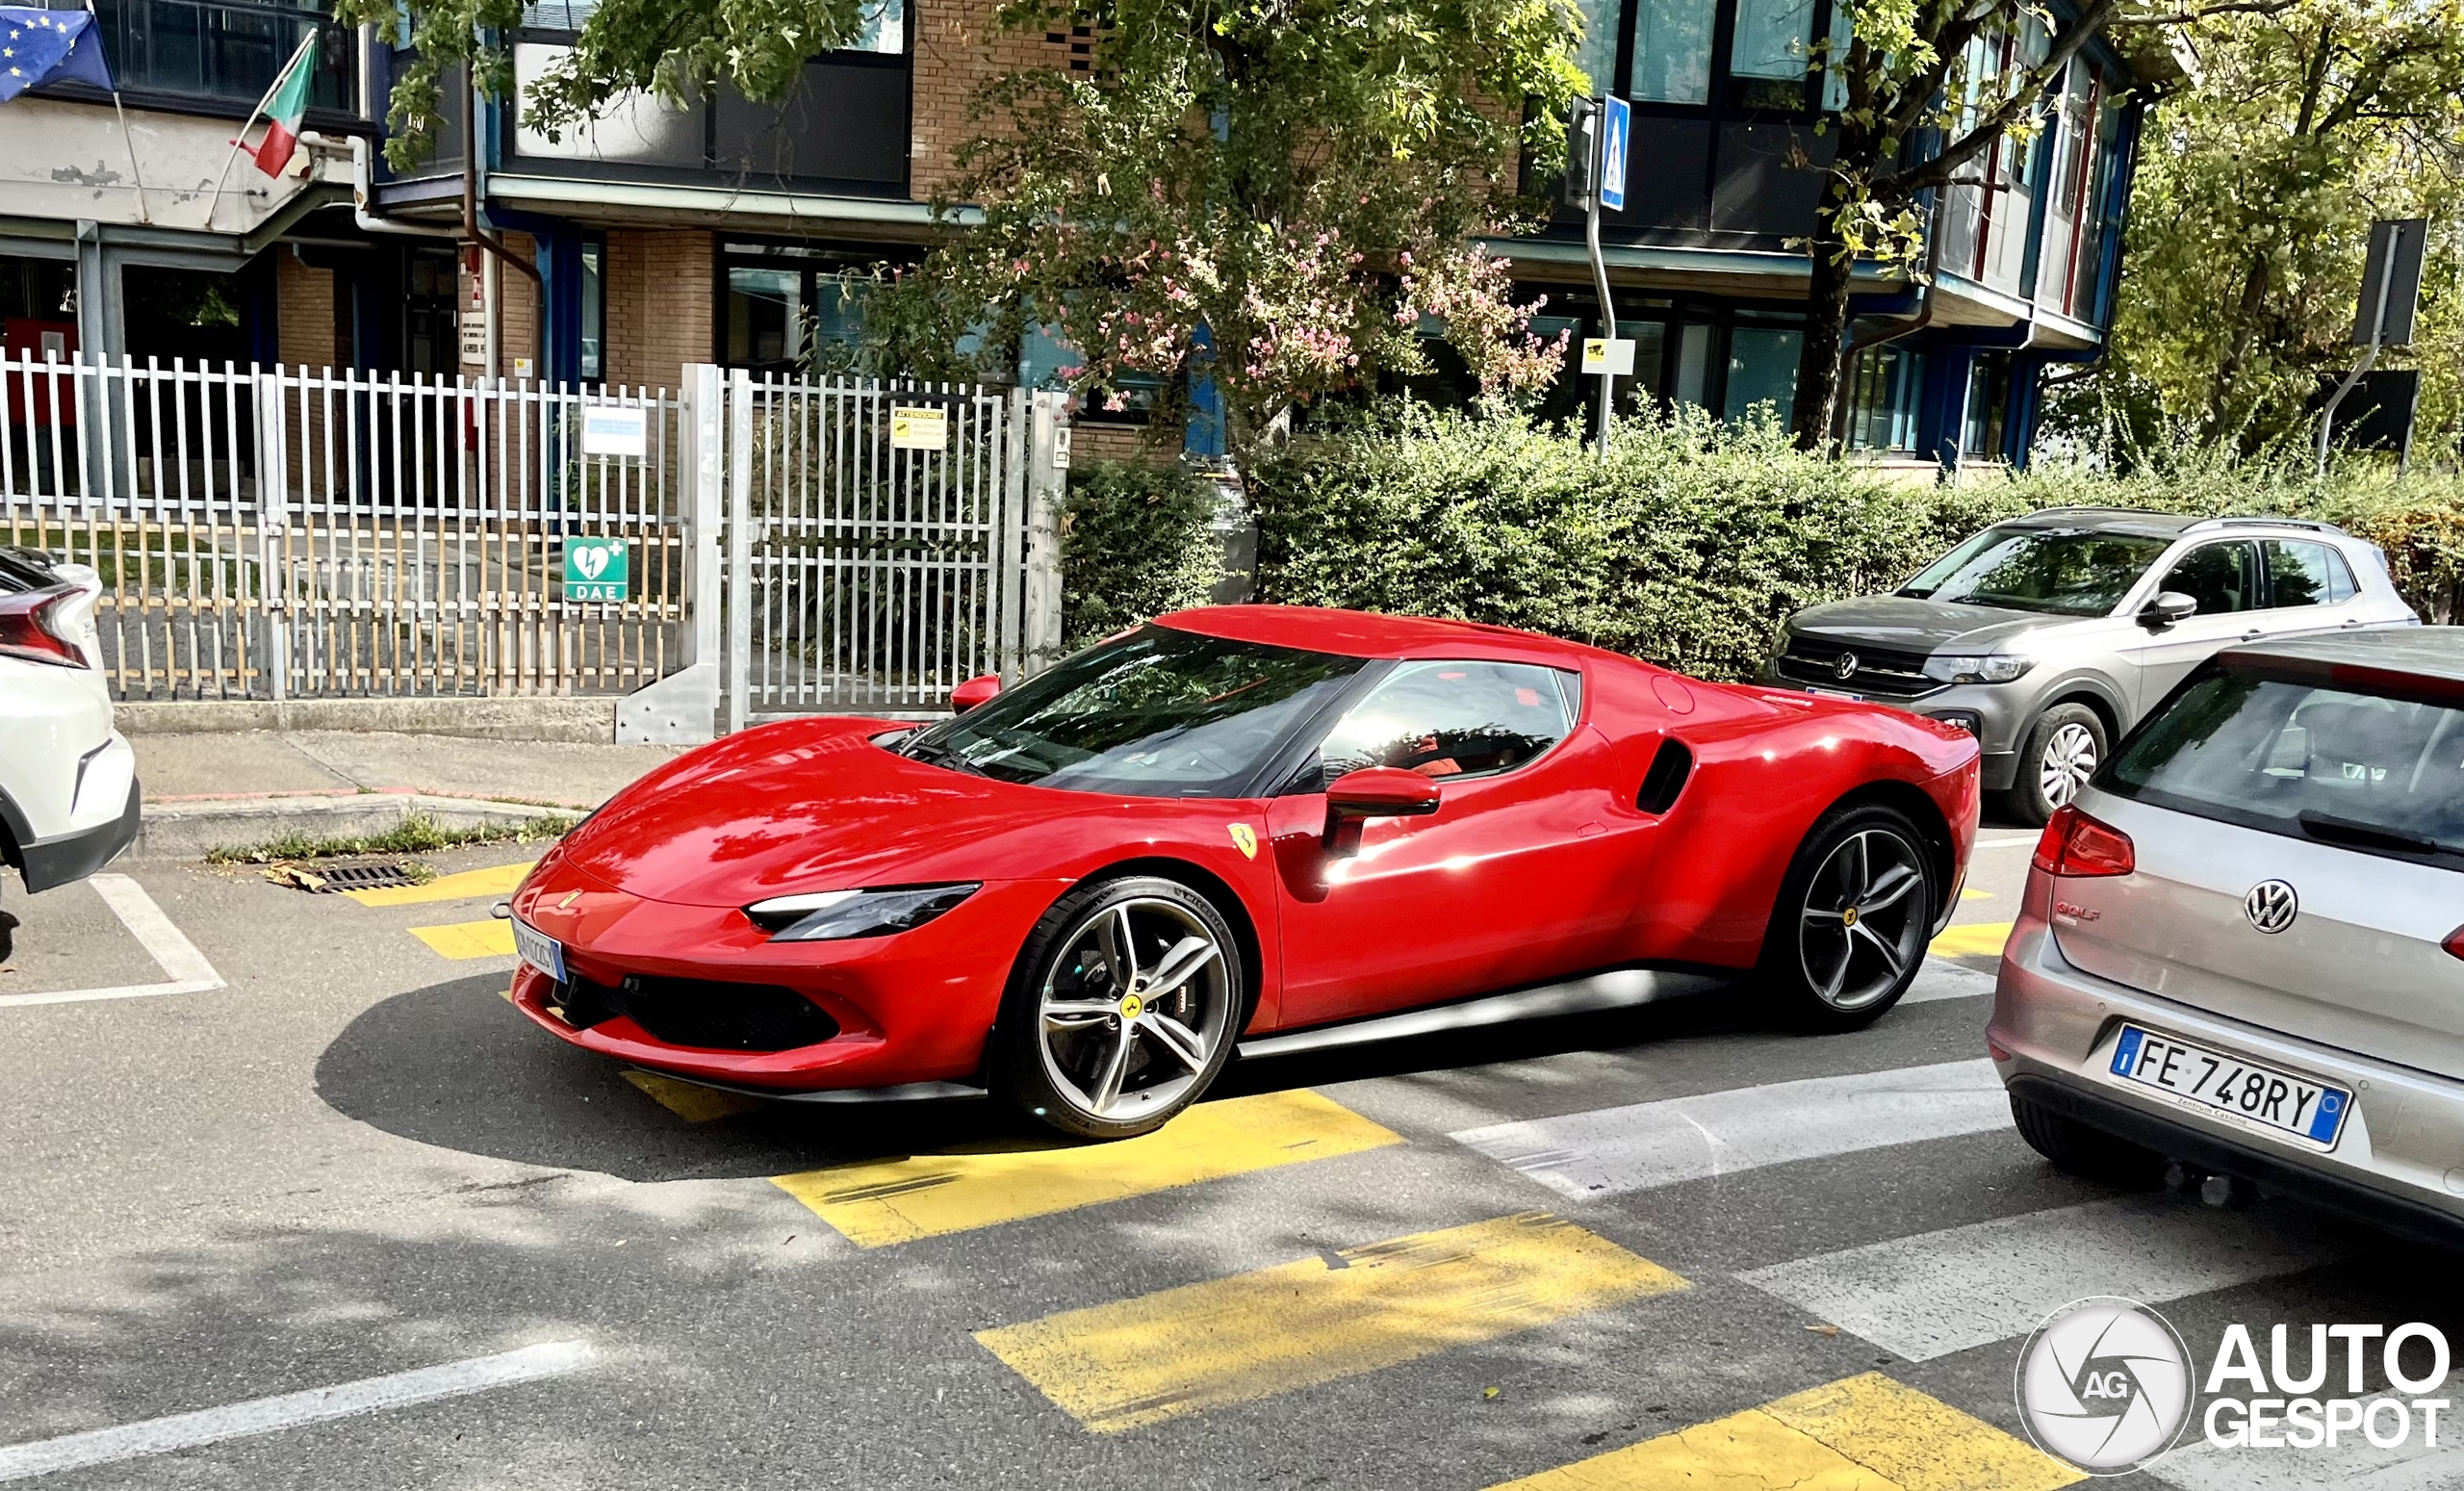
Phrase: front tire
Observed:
(2062, 750)
(1121, 1008)
(1848, 933)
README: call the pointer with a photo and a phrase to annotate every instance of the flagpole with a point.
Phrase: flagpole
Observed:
(214, 199)
(125, 139)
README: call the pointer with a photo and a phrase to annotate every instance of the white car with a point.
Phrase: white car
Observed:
(68, 800)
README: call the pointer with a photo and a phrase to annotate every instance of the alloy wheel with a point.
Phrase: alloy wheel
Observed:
(1134, 1005)
(1865, 918)
(2068, 760)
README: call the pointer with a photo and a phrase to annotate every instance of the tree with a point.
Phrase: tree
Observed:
(2252, 213)
(1276, 196)
(1967, 73)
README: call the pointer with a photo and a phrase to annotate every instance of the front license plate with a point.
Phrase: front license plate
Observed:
(2301, 1106)
(1837, 693)
(539, 950)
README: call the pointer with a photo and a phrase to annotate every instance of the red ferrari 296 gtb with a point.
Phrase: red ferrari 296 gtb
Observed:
(1254, 828)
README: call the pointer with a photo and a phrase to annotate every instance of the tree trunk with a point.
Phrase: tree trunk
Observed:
(1818, 367)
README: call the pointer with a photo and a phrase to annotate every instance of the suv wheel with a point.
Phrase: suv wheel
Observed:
(2089, 1153)
(2063, 750)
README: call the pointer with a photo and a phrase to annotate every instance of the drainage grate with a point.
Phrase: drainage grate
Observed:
(332, 877)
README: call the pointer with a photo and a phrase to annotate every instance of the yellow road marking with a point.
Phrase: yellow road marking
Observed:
(489, 938)
(690, 1101)
(925, 1195)
(1984, 939)
(1865, 1433)
(496, 880)
(1115, 1367)
(1971, 893)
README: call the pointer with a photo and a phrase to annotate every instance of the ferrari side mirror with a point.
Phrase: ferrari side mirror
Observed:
(2171, 606)
(1355, 797)
(974, 691)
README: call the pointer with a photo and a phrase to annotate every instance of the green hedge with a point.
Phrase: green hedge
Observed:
(1691, 542)
(1136, 541)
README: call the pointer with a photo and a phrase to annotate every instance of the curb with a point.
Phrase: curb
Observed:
(581, 720)
(193, 828)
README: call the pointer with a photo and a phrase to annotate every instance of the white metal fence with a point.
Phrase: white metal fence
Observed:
(887, 541)
(274, 533)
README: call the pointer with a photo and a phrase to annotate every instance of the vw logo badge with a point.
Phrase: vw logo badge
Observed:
(2270, 906)
(1845, 667)
(2105, 1384)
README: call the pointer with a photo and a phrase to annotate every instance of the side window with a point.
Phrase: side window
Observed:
(1450, 719)
(2341, 585)
(2222, 578)
(2300, 573)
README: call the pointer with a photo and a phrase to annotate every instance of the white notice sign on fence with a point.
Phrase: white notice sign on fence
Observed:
(911, 428)
(1601, 355)
(615, 429)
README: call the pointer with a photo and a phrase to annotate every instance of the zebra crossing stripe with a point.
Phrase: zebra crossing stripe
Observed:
(2351, 1464)
(1613, 1150)
(1935, 1293)
(1119, 1366)
(1865, 1433)
(899, 1201)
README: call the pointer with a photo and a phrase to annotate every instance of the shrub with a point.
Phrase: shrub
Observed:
(1136, 540)
(1693, 539)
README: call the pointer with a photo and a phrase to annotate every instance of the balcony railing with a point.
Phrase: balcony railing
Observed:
(227, 50)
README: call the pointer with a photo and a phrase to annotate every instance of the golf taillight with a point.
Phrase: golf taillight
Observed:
(2455, 944)
(2077, 845)
(29, 628)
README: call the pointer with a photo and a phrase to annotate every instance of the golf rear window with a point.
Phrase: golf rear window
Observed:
(2338, 762)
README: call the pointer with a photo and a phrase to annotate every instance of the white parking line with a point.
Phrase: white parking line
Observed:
(291, 1411)
(1936, 1292)
(185, 970)
(1645, 1145)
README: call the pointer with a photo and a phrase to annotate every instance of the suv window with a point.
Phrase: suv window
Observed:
(2222, 578)
(2066, 572)
(1450, 720)
(2364, 771)
(2305, 574)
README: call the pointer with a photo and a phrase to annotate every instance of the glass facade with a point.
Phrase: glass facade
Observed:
(1596, 57)
(1672, 50)
(1762, 370)
(1885, 385)
(1769, 53)
(229, 50)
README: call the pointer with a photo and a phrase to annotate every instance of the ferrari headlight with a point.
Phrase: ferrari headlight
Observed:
(1974, 668)
(832, 916)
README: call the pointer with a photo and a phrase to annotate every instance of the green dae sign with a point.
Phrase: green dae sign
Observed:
(595, 569)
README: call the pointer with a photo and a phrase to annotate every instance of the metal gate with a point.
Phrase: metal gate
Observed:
(272, 533)
(886, 541)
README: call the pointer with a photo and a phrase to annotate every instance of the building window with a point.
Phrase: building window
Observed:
(1673, 51)
(430, 287)
(1768, 58)
(1596, 57)
(1988, 397)
(1692, 382)
(796, 308)
(223, 50)
(1762, 370)
(594, 310)
(881, 28)
(1883, 387)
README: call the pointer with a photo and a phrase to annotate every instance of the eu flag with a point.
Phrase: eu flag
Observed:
(48, 46)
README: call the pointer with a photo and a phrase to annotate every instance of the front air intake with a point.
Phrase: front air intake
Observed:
(1666, 778)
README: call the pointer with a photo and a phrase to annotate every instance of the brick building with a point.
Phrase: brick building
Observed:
(746, 233)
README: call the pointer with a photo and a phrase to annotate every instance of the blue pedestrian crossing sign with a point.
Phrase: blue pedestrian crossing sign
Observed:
(1616, 128)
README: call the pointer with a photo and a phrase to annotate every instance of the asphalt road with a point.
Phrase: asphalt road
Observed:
(1443, 1264)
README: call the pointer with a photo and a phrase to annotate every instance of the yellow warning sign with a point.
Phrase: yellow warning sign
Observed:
(911, 428)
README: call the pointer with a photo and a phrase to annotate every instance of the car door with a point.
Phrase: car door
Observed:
(2224, 578)
(1513, 880)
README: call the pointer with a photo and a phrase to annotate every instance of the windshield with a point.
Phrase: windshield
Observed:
(2067, 572)
(1156, 713)
(2356, 769)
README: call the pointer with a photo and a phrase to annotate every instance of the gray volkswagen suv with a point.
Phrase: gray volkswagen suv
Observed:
(2049, 635)
(2242, 947)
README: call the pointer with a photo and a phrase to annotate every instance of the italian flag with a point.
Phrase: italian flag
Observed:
(283, 109)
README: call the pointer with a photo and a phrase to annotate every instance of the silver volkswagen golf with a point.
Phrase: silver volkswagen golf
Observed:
(2240, 948)
(2049, 635)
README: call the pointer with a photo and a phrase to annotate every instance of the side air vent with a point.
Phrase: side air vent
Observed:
(1666, 778)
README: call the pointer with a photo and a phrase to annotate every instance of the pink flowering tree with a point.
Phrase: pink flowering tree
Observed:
(1305, 180)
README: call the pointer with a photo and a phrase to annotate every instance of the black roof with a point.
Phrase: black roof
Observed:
(2418, 652)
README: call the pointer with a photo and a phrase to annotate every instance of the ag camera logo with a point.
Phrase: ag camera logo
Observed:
(2105, 1384)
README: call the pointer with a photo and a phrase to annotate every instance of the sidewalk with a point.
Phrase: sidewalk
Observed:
(234, 789)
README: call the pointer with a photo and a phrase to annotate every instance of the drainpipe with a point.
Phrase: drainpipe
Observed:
(363, 199)
(472, 232)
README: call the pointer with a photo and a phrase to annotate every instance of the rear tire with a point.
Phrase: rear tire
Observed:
(1121, 1008)
(2062, 750)
(1847, 935)
(2086, 1152)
